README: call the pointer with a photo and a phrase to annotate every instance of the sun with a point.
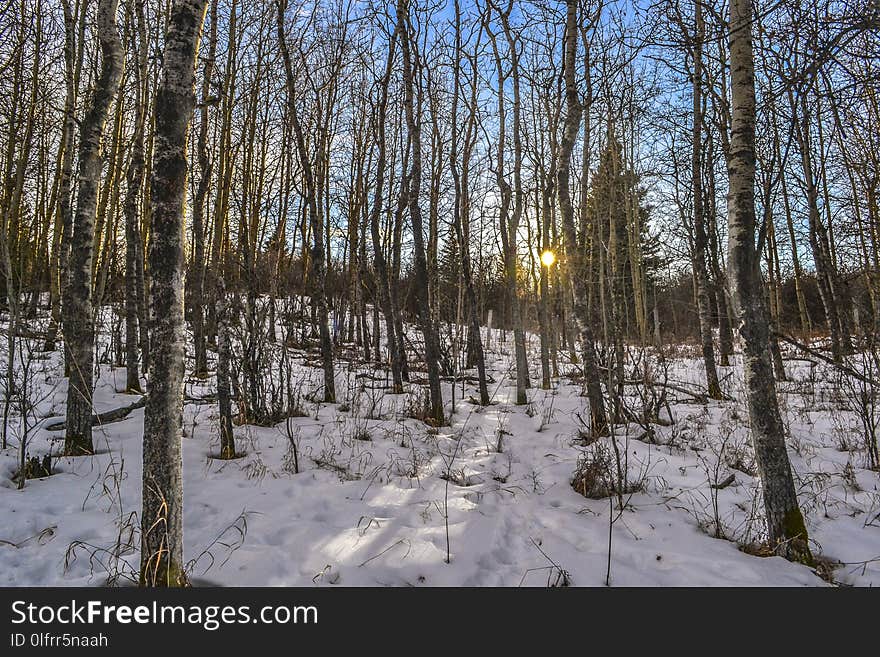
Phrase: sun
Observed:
(548, 258)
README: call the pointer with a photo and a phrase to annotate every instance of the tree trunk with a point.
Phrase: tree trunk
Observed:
(58, 260)
(135, 181)
(224, 381)
(704, 305)
(461, 214)
(820, 245)
(599, 423)
(383, 280)
(162, 516)
(319, 268)
(719, 277)
(510, 226)
(78, 312)
(197, 287)
(785, 524)
(429, 330)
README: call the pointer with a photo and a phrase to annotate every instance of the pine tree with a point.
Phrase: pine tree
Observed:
(614, 184)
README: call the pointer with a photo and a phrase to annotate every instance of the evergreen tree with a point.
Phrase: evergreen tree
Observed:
(617, 202)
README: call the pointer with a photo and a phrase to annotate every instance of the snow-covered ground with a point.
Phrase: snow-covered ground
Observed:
(377, 489)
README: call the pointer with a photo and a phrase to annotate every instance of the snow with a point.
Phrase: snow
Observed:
(374, 512)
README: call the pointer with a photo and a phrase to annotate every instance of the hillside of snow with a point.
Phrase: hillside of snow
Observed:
(381, 498)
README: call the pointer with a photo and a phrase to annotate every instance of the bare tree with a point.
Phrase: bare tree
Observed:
(162, 516)
(383, 280)
(785, 524)
(462, 204)
(316, 220)
(197, 285)
(135, 181)
(700, 238)
(573, 254)
(511, 206)
(78, 312)
(413, 123)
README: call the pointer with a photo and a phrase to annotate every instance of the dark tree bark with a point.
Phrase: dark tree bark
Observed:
(224, 378)
(318, 255)
(426, 323)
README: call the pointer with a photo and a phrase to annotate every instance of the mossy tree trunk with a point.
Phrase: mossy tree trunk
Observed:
(785, 524)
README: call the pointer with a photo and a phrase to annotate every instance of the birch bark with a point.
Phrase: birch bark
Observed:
(162, 516)
(785, 524)
(78, 321)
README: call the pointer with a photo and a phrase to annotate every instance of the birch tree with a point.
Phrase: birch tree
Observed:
(573, 254)
(162, 515)
(78, 316)
(786, 530)
(135, 182)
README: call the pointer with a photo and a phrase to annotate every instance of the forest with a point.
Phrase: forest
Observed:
(439, 293)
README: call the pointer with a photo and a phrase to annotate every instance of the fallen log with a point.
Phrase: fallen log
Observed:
(25, 333)
(371, 377)
(701, 397)
(107, 417)
(724, 484)
(467, 378)
(827, 359)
